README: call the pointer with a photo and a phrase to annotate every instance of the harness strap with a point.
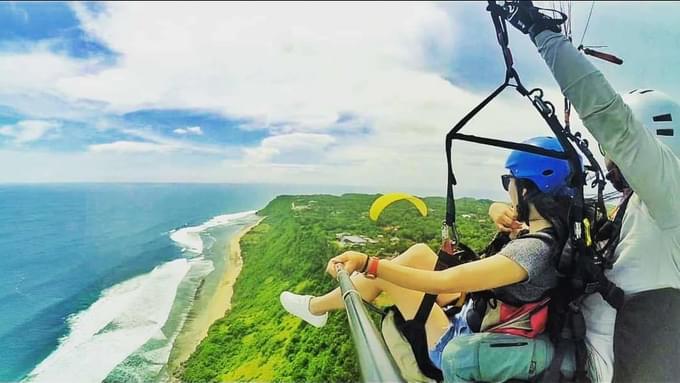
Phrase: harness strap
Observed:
(511, 145)
(510, 74)
(450, 202)
(578, 327)
(547, 111)
(445, 260)
(616, 232)
(570, 338)
(425, 308)
(554, 373)
(414, 329)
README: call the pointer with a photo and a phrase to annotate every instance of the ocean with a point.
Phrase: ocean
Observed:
(97, 279)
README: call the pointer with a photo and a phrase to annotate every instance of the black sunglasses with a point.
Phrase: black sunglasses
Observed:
(505, 180)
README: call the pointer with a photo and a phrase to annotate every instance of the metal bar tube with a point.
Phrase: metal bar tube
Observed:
(375, 360)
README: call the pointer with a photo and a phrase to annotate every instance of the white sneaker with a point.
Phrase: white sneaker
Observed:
(298, 305)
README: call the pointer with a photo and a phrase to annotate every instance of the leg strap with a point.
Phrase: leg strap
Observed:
(414, 329)
(445, 260)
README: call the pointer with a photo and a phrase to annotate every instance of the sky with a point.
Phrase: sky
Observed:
(357, 94)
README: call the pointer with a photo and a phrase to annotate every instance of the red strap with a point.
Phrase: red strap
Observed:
(448, 247)
(372, 269)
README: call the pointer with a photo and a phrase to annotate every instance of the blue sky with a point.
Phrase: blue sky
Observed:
(357, 94)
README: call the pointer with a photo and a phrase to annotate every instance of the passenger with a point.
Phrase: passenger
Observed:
(523, 271)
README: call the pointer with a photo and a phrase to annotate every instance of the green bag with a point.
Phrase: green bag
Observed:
(492, 357)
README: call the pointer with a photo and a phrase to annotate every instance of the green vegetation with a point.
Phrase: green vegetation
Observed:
(258, 340)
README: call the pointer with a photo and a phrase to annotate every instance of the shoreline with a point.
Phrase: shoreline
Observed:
(197, 326)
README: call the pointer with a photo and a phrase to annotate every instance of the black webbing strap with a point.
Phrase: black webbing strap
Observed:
(451, 179)
(578, 328)
(414, 329)
(554, 373)
(444, 261)
(616, 231)
(547, 111)
(511, 145)
(545, 108)
(425, 308)
(510, 74)
(416, 335)
(571, 339)
(564, 137)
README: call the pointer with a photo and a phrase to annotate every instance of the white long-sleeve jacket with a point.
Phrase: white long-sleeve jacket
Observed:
(648, 254)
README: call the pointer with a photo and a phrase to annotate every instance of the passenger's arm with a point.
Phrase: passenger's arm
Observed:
(651, 169)
(487, 273)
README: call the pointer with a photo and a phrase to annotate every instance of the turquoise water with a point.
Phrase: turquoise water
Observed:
(87, 264)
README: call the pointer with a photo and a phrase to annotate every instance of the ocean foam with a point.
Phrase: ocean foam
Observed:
(147, 363)
(190, 237)
(124, 318)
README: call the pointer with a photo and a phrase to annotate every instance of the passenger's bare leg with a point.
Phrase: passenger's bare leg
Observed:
(408, 302)
(367, 288)
(418, 256)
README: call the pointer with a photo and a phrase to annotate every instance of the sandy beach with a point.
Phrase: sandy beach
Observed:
(196, 327)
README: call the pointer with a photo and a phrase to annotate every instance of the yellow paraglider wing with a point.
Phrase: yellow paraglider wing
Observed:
(385, 200)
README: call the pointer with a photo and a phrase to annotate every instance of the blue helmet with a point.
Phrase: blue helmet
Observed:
(549, 174)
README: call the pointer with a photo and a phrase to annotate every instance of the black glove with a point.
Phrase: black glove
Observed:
(528, 19)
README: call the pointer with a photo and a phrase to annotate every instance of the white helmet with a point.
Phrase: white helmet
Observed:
(659, 113)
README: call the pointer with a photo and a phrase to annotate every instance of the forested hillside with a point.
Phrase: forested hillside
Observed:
(258, 340)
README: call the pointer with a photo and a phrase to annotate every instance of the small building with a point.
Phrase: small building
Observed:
(352, 240)
(394, 239)
(295, 207)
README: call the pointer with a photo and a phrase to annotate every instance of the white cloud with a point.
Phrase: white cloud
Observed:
(178, 145)
(131, 147)
(36, 69)
(195, 130)
(189, 131)
(28, 130)
(303, 63)
(295, 145)
(154, 143)
(293, 69)
(28, 84)
(298, 67)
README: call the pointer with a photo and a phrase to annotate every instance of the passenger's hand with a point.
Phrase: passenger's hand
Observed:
(350, 260)
(505, 217)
